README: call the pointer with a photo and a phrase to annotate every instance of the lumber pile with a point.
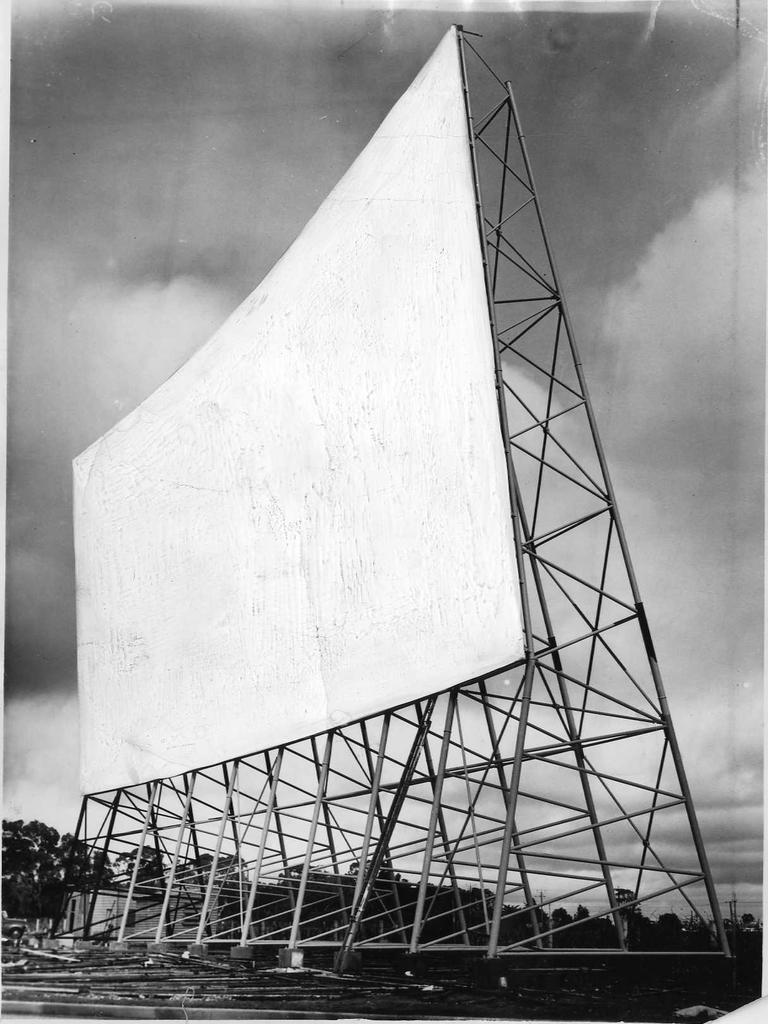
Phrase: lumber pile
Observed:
(102, 977)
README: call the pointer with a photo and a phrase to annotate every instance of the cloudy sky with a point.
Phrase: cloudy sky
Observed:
(165, 155)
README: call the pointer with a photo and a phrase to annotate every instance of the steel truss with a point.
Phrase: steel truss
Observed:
(462, 820)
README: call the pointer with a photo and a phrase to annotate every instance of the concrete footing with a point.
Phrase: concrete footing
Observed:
(137, 946)
(89, 946)
(349, 962)
(290, 958)
(198, 949)
(414, 965)
(492, 973)
(242, 953)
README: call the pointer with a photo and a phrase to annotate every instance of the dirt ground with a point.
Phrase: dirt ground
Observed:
(171, 984)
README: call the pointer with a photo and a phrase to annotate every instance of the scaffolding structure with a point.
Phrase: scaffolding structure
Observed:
(462, 820)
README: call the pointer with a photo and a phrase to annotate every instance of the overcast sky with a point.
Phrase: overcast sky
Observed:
(164, 156)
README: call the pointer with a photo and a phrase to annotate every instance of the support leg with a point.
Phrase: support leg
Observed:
(102, 865)
(514, 787)
(321, 784)
(373, 867)
(265, 826)
(398, 910)
(68, 868)
(162, 923)
(137, 863)
(502, 776)
(437, 789)
(444, 831)
(203, 922)
(331, 843)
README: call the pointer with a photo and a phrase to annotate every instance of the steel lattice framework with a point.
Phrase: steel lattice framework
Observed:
(461, 820)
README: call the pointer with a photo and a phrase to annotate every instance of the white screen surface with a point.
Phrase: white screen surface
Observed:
(310, 521)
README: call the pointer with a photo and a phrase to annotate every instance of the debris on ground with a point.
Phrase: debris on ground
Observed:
(699, 1012)
(93, 981)
(50, 956)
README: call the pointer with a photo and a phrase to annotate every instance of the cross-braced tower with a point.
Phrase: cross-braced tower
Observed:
(419, 707)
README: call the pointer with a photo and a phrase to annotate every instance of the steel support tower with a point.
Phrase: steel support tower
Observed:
(463, 820)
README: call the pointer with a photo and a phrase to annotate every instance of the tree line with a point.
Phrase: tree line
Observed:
(36, 860)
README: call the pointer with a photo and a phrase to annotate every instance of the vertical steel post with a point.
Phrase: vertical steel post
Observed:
(102, 865)
(515, 514)
(331, 843)
(161, 924)
(137, 864)
(216, 854)
(195, 845)
(502, 776)
(235, 833)
(321, 784)
(375, 805)
(437, 790)
(67, 880)
(372, 869)
(280, 836)
(265, 825)
(451, 871)
(514, 788)
(500, 399)
(155, 835)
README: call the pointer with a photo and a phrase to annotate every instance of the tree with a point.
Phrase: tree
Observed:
(150, 870)
(561, 917)
(634, 923)
(35, 860)
(84, 870)
(31, 868)
(669, 931)
(696, 934)
(623, 897)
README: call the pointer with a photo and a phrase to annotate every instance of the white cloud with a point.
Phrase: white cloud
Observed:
(686, 329)
(680, 401)
(41, 760)
(131, 338)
